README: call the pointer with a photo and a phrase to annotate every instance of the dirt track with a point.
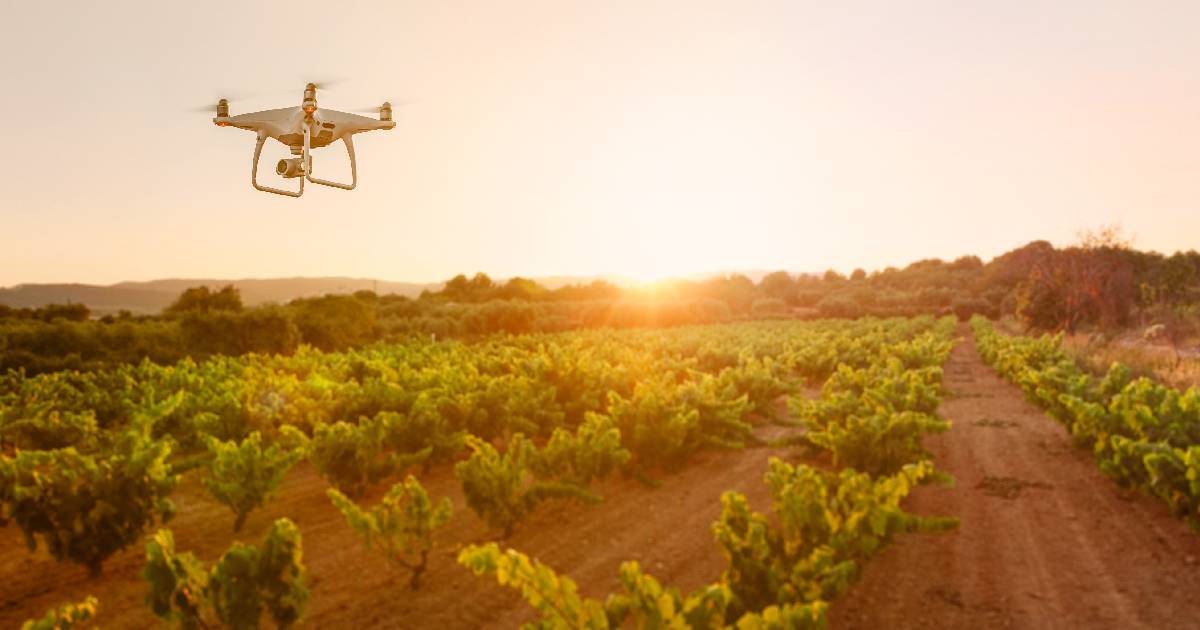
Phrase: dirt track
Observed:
(1046, 541)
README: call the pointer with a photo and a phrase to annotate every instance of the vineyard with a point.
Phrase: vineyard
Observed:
(1142, 434)
(742, 475)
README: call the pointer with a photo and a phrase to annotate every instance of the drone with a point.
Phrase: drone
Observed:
(303, 129)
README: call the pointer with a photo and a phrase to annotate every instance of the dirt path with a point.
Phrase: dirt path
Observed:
(667, 529)
(1046, 541)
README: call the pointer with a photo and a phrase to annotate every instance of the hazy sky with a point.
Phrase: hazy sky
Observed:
(563, 137)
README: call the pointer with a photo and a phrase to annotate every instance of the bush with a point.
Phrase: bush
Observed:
(502, 489)
(87, 507)
(401, 526)
(245, 476)
(239, 587)
(352, 457)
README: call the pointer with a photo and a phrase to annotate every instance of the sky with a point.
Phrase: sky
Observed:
(641, 138)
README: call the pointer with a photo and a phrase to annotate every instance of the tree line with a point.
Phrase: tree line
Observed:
(1098, 282)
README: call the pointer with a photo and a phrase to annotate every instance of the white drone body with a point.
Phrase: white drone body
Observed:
(303, 129)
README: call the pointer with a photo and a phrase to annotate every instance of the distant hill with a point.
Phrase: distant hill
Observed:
(155, 295)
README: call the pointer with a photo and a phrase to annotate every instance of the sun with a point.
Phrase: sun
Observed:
(657, 264)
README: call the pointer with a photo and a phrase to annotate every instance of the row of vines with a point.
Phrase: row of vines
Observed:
(88, 461)
(1143, 434)
(784, 569)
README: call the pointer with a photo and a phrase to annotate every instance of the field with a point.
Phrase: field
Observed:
(646, 446)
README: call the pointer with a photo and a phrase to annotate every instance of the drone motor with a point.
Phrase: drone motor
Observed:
(310, 99)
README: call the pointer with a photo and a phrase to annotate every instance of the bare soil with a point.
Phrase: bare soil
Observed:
(1046, 541)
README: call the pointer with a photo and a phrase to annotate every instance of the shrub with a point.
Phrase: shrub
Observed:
(401, 526)
(245, 476)
(236, 590)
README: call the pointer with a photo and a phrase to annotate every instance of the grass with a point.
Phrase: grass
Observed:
(1156, 361)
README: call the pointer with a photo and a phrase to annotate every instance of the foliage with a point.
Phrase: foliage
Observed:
(872, 419)
(352, 457)
(245, 476)
(555, 597)
(1141, 433)
(66, 616)
(335, 322)
(240, 586)
(502, 489)
(642, 603)
(233, 333)
(86, 507)
(227, 298)
(782, 569)
(593, 452)
(401, 526)
(828, 524)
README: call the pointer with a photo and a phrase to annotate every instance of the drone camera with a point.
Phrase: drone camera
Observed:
(290, 168)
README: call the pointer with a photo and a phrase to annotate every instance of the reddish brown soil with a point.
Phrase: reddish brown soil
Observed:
(1046, 541)
(667, 529)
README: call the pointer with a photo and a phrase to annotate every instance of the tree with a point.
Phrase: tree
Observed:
(1091, 282)
(519, 289)
(69, 312)
(778, 285)
(266, 329)
(832, 276)
(335, 322)
(228, 298)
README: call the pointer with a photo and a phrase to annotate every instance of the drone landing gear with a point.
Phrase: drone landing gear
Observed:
(306, 167)
(349, 142)
(262, 138)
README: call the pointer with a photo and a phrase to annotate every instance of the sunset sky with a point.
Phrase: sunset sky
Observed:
(619, 137)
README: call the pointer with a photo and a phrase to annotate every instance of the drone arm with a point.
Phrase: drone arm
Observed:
(349, 141)
(262, 138)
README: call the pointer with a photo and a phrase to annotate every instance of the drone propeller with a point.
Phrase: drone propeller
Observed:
(328, 83)
(383, 111)
(219, 103)
(375, 109)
